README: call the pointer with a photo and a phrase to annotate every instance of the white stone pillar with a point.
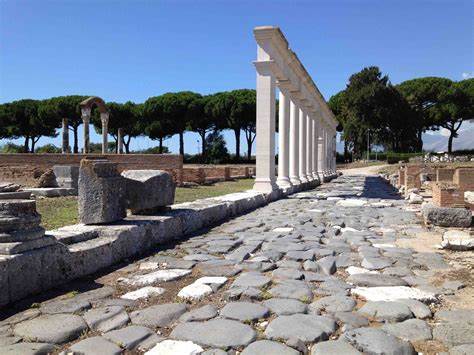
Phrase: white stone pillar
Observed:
(315, 147)
(302, 146)
(86, 116)
(65, 137)
(321, 151)
(283, 141)
(104, 118)
(294, 144)
(265, 147)
(309, 148)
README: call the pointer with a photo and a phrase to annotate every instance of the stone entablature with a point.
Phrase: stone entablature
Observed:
(306, 124)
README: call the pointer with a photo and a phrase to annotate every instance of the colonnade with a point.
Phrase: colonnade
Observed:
(306, 125)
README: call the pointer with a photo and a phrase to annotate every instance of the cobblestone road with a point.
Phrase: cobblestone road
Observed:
(317, 273)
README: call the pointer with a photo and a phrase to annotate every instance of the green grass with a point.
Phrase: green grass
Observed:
(62, 211)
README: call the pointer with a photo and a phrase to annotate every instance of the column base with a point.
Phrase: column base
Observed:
(303, 179)
(265, 186)
(294, 180)
(283, 182)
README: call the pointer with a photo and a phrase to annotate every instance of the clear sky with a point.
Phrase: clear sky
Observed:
(132, 49)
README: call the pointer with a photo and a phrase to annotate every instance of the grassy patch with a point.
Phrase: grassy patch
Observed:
(62, 211)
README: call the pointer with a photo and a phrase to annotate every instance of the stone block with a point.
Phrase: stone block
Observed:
(148, 190)
(67, 175)
(101, 192)
(446, 216)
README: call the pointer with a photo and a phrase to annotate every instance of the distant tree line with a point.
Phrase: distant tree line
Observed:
(158, 118)
(395, 116)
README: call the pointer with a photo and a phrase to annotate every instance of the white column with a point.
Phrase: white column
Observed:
(302, 146)
(294, 144)
(309, 148)
(104, 117)
(86, 115)
(120, 141)
(265, 147)
(65, 137)
(321, 151)
(315, 147)
(283, 141)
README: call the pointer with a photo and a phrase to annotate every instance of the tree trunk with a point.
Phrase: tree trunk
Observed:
(33, 143)
(420, 141)
(346, 152)
(450, 141)
(26, 145)
(237, 144)
(126, 144)
(181, 143)
(161, 145)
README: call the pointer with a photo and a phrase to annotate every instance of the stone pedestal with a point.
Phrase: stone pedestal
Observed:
(20, 229)
(148, 191)
(101, 192)
(67, 175)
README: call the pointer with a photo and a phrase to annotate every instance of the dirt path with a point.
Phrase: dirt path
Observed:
(368, 170)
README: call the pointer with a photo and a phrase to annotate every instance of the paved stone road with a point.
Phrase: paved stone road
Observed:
(316, 273)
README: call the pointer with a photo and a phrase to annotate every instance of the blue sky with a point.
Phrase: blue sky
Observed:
(131, 50)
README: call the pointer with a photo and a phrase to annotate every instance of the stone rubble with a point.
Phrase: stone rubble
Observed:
(320, 272)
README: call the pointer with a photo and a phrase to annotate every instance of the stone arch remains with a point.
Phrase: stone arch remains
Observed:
(86, 108)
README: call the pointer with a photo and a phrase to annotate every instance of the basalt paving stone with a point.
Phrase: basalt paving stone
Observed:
(306, 327)
(285, 306)
(220, 333)
(199, 314)
(386, 311)
(267, 347)
(454, 333)
(286, 273)
(334, 347)
(332, 304)
(54, 328)
(374, 280)
(95, 345)
(351, 320)
(133, 337)
(295, 289)
(376, 341)
(158, 316)
(456, 315)
(244, 311)
(419, 309)
(170, 262)
(27, 349)
(251, 279)
(410, 330)
(106, 318)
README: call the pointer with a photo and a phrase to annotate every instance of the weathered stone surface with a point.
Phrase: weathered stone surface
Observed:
(456, 315)
(148, 190)
(143, 292)
(194, 291)
(132, 337)
(466, 349)
(27, 349)
(332, 304)
(334, 347)
(95, 345)
(244, 311)
(386, 311)
(447, 216)
(158, 316)
(458, 240)
(298, 290)
(375, 280)
(106, 318)
(67, 175)
(160, 275)
(376, 263)
(285, 306)
(171, 347)
(327, 265)
(308, 328)
(419, 309)
(393, 293)
(199, 314)
(409, 330)
(376, 341)
(220, 333)
(351, 320)
(47, 179)
(455, 333)
(251, 279)
(266, 347)
(55, 328)
(72, 305)
(101, 192)
(285, 274)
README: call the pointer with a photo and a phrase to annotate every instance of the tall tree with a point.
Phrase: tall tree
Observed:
(65, 107)
(202, 120)
(423, 94)
(155, 124)
(28, 123)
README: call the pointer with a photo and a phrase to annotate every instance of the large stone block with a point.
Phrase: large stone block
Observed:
(101, 192)
(148, 190)
(446, 216)
(67, 175)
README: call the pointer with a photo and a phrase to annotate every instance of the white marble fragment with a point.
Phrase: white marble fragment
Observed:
(174, 347)
(354, 270)
(458, 240)
(393, 293)
(143, 292)
(383, 245)
(149, 265)
(195, 291)
(211, 280)
(283, 229)
(160, 275)
(352, 202)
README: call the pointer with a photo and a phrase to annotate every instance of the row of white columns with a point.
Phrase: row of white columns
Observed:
(304, 154)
